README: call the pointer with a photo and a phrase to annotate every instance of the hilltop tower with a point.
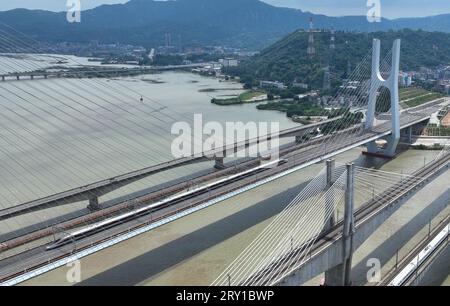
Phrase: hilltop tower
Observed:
(311, 49)
(327, 70)
(333, 40)
(168, 39)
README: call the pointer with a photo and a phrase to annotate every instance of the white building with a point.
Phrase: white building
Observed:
(229, 62)
(405, 79)
(266, 84)
(300, 85)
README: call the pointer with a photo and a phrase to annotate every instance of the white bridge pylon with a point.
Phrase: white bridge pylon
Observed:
(377, 81)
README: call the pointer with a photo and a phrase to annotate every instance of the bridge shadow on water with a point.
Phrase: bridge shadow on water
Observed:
(168, 255)
(106, 204)
(389, 247)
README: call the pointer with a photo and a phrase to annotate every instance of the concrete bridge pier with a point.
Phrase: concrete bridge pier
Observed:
(340, 275)
(218, 163)
(94, 204)
(377, 82)
(407, 135)
(329, 222)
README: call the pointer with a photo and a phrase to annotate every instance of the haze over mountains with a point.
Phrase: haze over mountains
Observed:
(248, 24)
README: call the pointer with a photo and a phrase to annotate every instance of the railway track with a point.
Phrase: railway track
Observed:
(364, 213)
(166, 211)
(288, 151)
(125, 206)
(308, 153)
(411, 257)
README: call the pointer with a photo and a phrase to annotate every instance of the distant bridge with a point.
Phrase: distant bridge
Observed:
(95, 72)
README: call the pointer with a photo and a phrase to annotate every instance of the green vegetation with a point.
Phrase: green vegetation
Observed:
(424, 99)
(411, 92)
(294, 108)
(434, 147)
(164, 60)
(415, 96)
(227, 101)
(348, 119)
(244, 97)
(287, 61)
(303, 107)
(248, 95)
(248, 24)
(437, 131)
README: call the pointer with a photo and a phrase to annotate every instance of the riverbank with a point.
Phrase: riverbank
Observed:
(249, 96)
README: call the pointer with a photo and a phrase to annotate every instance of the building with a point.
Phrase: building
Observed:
(405, 79)
(271, 84)
(229, 62)
(300, 85)
(311, 94)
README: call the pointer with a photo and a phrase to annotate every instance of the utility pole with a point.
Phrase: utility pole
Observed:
(329, 201)
(311, 49)
(340, 275)
(332, 40)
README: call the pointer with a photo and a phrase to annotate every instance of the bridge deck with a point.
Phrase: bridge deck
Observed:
(309, 156)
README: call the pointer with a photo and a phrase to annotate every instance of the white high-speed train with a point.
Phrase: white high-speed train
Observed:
(401, 278)
(108, 223)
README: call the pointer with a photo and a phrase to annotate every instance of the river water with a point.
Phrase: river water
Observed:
(60, 134)
(195, 249)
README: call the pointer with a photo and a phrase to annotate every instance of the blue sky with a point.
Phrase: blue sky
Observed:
(390, 8)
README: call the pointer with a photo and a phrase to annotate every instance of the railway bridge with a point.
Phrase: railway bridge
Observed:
(318, 151)
(330, 250)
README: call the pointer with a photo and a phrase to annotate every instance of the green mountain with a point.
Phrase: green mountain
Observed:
(235, 23)
(287, 60)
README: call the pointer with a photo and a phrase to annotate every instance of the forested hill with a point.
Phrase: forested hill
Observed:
(251, 24)
(287, 59)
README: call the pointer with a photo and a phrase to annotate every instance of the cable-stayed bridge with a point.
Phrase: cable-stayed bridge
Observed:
(34, 115)
(314, 154)
(301, 242)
